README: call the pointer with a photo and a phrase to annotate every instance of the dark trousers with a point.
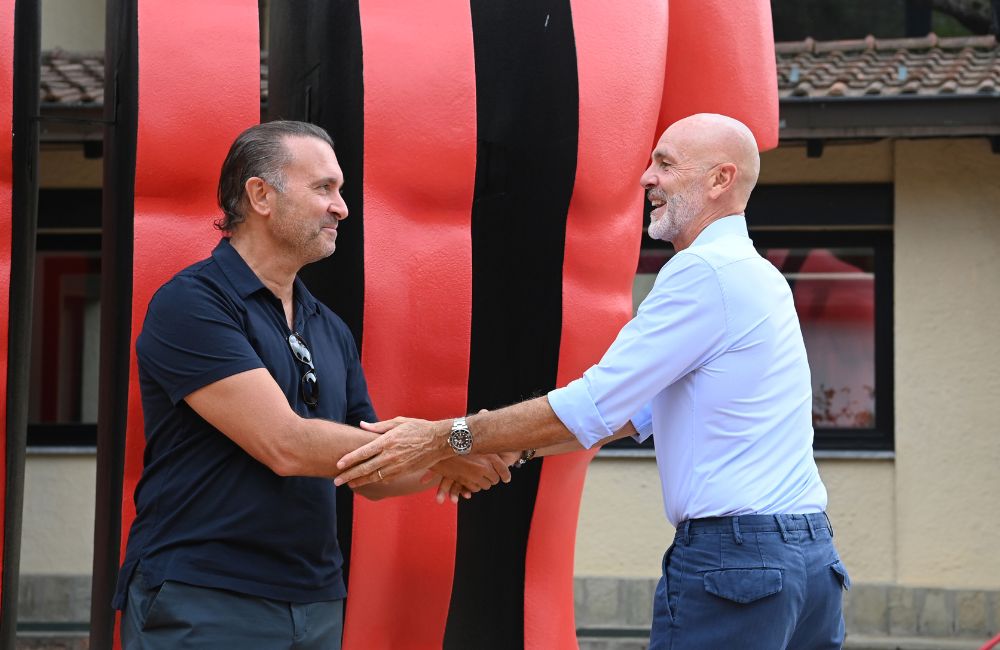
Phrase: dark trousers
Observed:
(766, 582)
(179, 616)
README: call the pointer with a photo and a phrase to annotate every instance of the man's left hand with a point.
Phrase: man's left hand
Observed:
(407, 445)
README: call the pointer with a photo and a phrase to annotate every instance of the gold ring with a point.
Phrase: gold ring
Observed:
(379, 472)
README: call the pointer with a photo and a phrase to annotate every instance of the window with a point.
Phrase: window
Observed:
(834, 246)
(62, 403)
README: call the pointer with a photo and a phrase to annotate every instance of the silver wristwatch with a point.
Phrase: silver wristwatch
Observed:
(460, 438)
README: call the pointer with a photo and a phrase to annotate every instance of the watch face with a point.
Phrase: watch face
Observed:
(460, 440)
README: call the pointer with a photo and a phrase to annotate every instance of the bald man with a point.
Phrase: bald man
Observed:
(714, 368)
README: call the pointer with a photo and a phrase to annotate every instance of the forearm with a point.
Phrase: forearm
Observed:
(407, 484)
(312, 447)
(528, 425)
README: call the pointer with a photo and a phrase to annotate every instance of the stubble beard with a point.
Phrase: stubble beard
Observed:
(304, 243)
(678, 212)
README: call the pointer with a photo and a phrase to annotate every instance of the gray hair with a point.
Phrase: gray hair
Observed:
(258, 152)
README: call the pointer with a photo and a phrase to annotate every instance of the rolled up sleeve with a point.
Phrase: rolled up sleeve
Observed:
(643, 423)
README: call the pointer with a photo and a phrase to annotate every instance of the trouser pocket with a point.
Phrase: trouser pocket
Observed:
(743, 585)
(840, 571)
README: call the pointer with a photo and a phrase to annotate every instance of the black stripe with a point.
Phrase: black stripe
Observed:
(315, 75)
(24, 202)
(527, 106)
(121, 102)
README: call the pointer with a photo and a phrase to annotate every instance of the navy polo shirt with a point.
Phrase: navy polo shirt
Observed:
(207, 513)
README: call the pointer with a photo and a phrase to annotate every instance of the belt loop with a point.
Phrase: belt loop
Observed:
(781, 527)
(809, 525)
(686, 531)
(736, 530)
(829, 524)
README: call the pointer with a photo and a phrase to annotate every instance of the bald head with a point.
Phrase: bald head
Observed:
(714, 139)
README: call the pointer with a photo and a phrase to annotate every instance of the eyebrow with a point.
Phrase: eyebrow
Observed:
(331, 180)
(661, 154)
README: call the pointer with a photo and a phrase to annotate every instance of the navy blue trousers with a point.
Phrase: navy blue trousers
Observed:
(766, 582)
(178, 616)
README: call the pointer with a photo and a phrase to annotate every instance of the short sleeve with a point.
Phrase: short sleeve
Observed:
(192, 336)
(359, 405)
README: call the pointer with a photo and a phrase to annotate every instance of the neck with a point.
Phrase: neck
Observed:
(275, 271)
(699, 223)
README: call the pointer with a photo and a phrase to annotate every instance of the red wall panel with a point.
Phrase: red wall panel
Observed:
(419, 172)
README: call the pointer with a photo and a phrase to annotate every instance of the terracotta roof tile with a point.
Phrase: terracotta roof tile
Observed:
(872, 67)
(867, 67)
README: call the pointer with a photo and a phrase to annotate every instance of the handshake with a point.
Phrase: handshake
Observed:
(409, 445)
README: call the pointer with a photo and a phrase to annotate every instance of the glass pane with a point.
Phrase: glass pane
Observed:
(834, 291)
(64, 339)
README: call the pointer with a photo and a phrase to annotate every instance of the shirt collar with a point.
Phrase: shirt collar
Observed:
(246, 282)
(734, 224)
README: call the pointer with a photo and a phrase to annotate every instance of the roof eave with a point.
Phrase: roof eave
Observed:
(804, 118)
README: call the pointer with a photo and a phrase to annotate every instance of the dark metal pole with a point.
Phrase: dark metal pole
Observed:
(27, 50)
(121, 115)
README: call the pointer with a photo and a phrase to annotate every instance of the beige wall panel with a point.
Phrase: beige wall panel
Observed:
(862, 511)
(64, 166)
(75, 25)
(947, 296)
(840, 163)
(623, 530)
(58, 528)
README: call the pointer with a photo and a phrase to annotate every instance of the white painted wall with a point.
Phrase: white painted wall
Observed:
(58, 525)
(75, 25)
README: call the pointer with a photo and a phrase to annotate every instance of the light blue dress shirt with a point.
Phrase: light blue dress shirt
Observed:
(714, 367)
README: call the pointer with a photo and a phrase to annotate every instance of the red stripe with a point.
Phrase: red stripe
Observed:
(420, 160)
(6, 218)
(721, 60)
(193, 102)
(619, 94)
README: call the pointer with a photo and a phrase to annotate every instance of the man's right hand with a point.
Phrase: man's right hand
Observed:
(466, 475)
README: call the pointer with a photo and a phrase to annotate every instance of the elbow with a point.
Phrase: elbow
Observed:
(283, 459)
(283, 465)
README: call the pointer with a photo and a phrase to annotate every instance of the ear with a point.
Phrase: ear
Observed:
(256, 190)
(722, 179)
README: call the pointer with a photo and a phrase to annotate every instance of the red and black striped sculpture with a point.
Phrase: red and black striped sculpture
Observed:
(492, 154)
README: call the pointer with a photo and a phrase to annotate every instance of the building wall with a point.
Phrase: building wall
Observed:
(58, 526)
(947, 363)
(926, 517)
(73, 25)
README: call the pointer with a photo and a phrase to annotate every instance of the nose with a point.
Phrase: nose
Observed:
(338, 208)
(648, 179)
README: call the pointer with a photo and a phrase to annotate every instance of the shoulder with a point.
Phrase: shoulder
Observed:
(194, 299)
(197, 283)
(688, 267)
